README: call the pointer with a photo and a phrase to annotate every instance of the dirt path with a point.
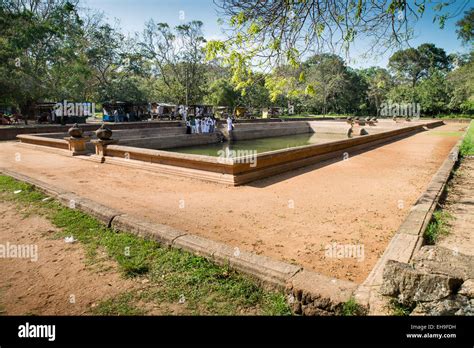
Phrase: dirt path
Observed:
(291, 217)
(58, 282)
(460, 204)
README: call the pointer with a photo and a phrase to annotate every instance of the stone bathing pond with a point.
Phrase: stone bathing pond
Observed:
(257, 150)
(256, 146)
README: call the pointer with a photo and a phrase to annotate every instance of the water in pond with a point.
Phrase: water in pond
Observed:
(261, 145)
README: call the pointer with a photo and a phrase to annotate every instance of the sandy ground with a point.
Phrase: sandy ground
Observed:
(57, 281)
(292, 217)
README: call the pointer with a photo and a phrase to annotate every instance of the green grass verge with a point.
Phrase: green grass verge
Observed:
(437, 227)
(467, 146)
(124, 304)
(445, 133)
(451, 116)
(352, 308)
(399, 309)
(173, 274)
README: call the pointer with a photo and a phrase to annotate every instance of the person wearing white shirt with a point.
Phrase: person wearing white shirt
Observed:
(198, 125)
(230, 126)
(210, 125)
(184, 115)
(214, 124)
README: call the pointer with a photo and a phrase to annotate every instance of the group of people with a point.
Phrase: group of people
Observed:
(126, 113)
(15, 118)
(198, 125)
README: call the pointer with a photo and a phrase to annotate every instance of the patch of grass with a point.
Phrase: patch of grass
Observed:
(13, 190)
(467, 146)
(352, 308)
(206, 287)
(399, 309)
(275, 304)
(445, 133)
(120, 305)
(454, 116)
(133, 254)
(437, 227)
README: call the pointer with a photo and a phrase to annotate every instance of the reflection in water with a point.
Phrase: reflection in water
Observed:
(260, 145)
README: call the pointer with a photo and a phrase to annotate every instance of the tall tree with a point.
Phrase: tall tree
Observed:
(113, 64)
(461, 81)
(379, 82)
(327, 74)
(177, 57)
(433, 94)
(412, 64)
(465, 27)
(41, 40)
(221, 92)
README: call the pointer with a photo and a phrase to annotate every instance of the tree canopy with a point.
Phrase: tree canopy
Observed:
(264, 33)
(278, 53)
(465, 26)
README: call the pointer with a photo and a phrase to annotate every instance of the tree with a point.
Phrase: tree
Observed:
(354, 97)
(323, 83)
(256, 95)
(403, 94)
(412, 64)
(433, 94)
(327, 74)
(177, 57)
(461, 81)
(113, 63)
(379, 82)
(221, 92)
(41, 41)
(433, 59)
(465, 27)
(267, 34)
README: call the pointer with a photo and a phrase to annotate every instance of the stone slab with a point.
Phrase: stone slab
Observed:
(162, 234)
(97, 210)
(261, 267)
(197, 245)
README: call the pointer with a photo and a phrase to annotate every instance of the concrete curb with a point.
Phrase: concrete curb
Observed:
(265, 268)
(97, 210)
(69, 199)
(409, 237)
(162, 234)
(293, 279)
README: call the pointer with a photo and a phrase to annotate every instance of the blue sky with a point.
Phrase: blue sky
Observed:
(132, 15)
